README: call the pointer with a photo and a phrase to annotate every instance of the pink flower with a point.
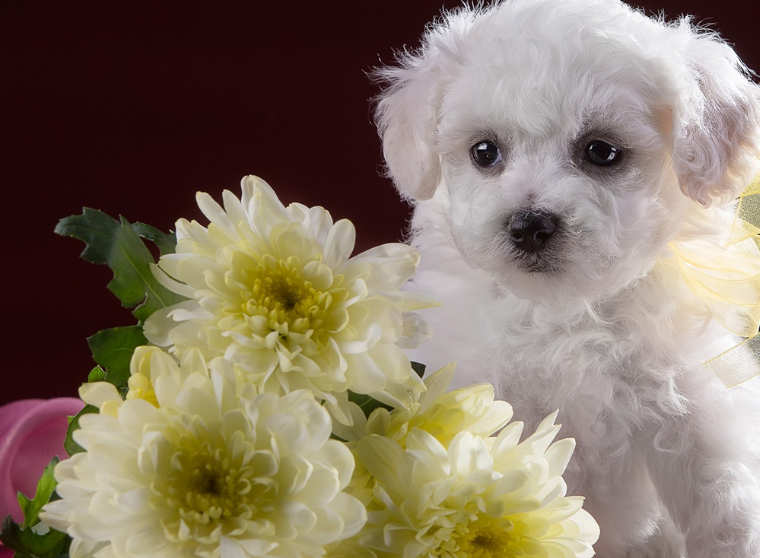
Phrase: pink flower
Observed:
(31, 434)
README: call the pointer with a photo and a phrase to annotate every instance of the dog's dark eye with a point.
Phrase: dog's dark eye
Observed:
(485, 154)
(602, 154)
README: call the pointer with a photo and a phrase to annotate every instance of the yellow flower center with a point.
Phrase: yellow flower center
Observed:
(287, 294)
(289, 302)
(284, 289)
(207, 488)
(488, 537)
(279, 292)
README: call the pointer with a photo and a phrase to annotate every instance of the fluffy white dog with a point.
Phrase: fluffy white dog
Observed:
(556, 153)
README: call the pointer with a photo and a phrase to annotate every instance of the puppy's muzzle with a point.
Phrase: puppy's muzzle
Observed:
(531, 231)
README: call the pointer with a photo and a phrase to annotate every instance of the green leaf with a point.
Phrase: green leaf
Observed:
(113, 348)
(367, 403)
(116, 244)
(419, 368)
(166, 243)
(97, 374)
(35, 542)
(69, 444)
(45, 488)
(33, 539)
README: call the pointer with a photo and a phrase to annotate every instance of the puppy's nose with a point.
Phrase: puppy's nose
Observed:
(530, 231)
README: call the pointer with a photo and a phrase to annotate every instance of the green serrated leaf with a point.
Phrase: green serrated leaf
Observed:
(367, 403)
(32, 538)
(113, 348)
(33, 543)
(419, 368)
(69, 444)
(116, 244)
(97, 374)
(95, 229)
(45, 488)
(166, 243)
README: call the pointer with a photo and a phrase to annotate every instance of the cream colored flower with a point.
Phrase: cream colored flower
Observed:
(206, 473)
(151, 367)
(477, 498)
(441, 413)
(444, 414)
(273, 290)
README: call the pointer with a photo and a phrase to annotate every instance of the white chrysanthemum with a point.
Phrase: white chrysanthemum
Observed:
(478, 498)
(273, 289)
(204, 474)
(154, 374)
(442, 413)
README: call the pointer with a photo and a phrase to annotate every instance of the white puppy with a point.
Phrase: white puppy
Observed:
(556, 151)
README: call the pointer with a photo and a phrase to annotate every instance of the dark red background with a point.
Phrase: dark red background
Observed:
(130, 107)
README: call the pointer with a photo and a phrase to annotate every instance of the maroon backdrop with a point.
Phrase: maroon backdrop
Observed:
(130, 107)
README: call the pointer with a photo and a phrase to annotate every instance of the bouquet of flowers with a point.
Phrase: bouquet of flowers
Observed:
(263, 406)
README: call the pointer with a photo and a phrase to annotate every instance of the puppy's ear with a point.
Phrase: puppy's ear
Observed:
(406, 115)
(717, 125)
(407, 110)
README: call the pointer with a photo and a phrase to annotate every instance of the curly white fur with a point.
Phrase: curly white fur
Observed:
(600, 324)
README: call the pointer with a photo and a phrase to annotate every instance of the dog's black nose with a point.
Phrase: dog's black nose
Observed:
(530, 231)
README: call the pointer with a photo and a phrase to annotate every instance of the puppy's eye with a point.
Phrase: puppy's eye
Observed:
(485, 154)
(602, 154)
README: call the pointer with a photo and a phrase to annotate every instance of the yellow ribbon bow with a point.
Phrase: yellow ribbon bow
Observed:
(727, 279)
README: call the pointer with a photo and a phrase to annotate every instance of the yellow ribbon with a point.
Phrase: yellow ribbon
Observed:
(727, 279)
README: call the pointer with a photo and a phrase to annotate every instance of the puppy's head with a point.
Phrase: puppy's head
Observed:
(571, 139)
